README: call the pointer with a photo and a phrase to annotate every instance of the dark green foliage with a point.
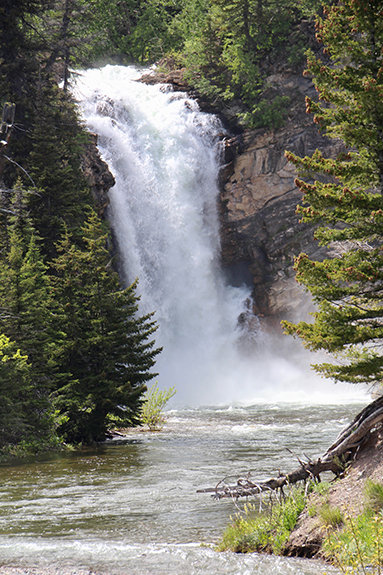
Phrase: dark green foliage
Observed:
(344, 195)
(47, 137)
(138, 31)
(266, 113)
(25, 319)
(83, 351)
(24, 292)
(26, 417)
(105, 354)
(231, 55)
(54, 164)
(226, 48)
(15, 50)
(14, 383)
(26, 420)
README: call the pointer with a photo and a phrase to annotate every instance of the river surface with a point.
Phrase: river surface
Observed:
(131, 508)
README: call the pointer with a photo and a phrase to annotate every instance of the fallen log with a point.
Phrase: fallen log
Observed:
(335, 459)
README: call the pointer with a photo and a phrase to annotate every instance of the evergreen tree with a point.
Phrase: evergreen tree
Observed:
(26, 420)
(14, 376)
(54, 164)
(344, 195)
(139, 31)
(15, 48)
(106, 353)
(230, 56)
(66, 28)
(25, 296)
(48, 138)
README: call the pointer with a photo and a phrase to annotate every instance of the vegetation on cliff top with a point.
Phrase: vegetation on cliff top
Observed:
(227, 49)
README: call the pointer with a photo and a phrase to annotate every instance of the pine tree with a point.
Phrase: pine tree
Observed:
(14, 376)
(26, 419)
(26, 339)
(26, 304)
(106, 353)
(231, 56)
(14, 42)
(54, 164)
(343, 196)
(141, 31)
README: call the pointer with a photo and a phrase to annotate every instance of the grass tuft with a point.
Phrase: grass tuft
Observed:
(373, 495)
(331, 517)
(358, 547)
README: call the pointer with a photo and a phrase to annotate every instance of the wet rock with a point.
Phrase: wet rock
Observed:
(97, 174)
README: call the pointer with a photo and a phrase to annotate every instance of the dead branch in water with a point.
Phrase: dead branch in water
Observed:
(335, 459)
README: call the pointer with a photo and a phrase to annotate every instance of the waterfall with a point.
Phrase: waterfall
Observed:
(165, 154)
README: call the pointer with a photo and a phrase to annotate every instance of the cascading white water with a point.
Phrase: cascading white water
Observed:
(164, 154)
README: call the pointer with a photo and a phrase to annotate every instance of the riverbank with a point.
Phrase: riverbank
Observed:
(346, 494)
(337, 517)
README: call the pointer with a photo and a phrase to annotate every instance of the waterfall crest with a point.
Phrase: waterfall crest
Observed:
(164, 154)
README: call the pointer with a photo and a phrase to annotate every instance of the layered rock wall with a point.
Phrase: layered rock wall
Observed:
(260, 231)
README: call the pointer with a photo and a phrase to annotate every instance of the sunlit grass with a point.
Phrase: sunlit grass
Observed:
(331, 517)
(358, 547)
(269, 531)
(373, 496)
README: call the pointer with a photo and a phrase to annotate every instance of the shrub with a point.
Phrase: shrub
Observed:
(267, 114)
(322, 488)
(154, 402)
(358, 545)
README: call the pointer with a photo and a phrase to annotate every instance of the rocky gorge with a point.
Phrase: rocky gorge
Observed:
(260, 231)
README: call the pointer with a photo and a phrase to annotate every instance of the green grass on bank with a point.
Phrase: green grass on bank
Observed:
(358, 546)
(355, 546)
(269, 531)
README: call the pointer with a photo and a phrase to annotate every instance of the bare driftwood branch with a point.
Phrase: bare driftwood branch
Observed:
(335, 459)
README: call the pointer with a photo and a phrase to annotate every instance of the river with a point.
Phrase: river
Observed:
(131, 508)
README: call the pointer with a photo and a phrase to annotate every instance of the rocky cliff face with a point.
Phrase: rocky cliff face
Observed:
(97, 174)
(260, 232)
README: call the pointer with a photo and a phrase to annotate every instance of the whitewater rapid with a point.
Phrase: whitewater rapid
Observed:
(165, 156)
